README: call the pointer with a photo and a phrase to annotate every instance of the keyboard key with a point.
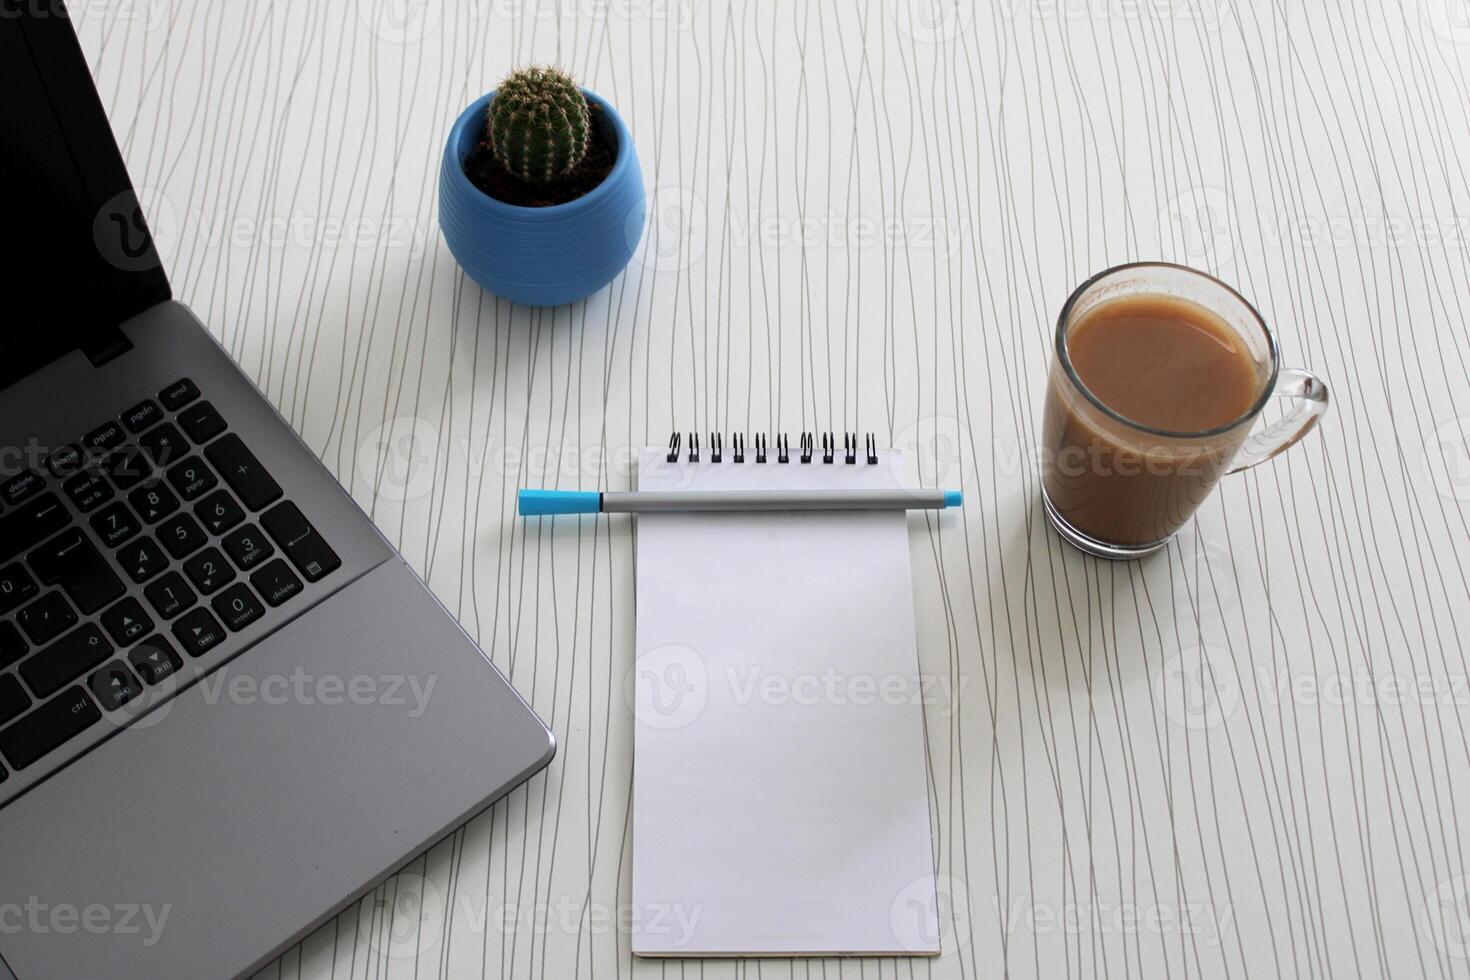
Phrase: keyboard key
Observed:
(16, 586)
(299, 540)
(192, 478)
(201, 422)
(128, 467)
(181, 535)
(109, 435)
(13, 699)
(64, 661)
(164, 444)
(199, 632)
(154, 659)
(88, 490)
(142, 415)
(12, 645)
(209, 571)
(114, 686)
(73, 562)
(126, 622)
(219, 512)
(276, 582)
(142, 560)
(178, 394)
(46, 618)
(21, 486)
(65, 461)
(114, 524)
(48, 728)
(248, 547)
(243, 472)
(238, 607)
(29, 523)
(170, 595)
(153, 502)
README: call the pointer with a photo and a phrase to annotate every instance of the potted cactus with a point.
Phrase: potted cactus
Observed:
(540, 193)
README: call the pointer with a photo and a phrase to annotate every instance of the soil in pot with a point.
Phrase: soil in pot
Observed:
(487, 173)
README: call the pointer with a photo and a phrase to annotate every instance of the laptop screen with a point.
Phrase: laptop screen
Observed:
(78, 259)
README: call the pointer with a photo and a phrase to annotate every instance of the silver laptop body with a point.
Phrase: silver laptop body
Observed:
(228, 708)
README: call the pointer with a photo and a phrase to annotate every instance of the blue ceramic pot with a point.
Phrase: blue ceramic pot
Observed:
(541, 256)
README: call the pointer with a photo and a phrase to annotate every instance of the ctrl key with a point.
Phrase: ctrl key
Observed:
(48, 727)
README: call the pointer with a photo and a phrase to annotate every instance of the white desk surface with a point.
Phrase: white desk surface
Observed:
(1247, 755)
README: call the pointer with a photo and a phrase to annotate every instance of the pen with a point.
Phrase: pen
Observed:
(534, 503)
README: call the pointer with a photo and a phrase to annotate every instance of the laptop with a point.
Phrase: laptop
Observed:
(228, 708)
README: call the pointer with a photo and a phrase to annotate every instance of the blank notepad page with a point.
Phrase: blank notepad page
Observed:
(780, 804)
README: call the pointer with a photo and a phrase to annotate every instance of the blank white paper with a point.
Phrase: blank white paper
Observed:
(780, 803)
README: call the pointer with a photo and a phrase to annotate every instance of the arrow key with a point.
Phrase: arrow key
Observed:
(154, 659)
(126, 622)
(114, 686)
(199, 632)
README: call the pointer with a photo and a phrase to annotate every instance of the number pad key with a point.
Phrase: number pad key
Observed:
(243, 472)
(192, 478)
(154, 502)
(248, 546)
(219, 512)
(181, 535)
(115, 524)
(276, 582)
(201, 422)
(142, 560)
(128, 467)
(238, 607)
(164, 444)
(303, 545)
(170, 595)
(88, 490)
(209, 571)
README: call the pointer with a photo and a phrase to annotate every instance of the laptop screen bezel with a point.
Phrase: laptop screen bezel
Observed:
(39, 321)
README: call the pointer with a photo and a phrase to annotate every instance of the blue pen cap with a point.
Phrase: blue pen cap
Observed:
(535, 503)
(953, 498)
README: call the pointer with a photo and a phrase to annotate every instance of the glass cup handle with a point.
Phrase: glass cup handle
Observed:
(1311, 395)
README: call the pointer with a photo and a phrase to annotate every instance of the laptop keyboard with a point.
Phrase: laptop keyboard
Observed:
(163, 497)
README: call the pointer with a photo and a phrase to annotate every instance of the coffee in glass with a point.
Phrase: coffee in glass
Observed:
(1158, 376)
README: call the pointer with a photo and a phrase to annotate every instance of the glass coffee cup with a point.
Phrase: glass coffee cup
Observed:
(1181, 367)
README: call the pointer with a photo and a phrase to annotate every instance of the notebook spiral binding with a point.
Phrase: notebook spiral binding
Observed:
(807, 448)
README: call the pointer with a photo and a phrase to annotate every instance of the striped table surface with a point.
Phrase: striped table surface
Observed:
(1244, 756)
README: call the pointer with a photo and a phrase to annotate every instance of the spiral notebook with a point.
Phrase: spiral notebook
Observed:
(780, 802)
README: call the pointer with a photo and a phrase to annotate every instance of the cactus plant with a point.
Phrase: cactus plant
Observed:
(538, 124)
